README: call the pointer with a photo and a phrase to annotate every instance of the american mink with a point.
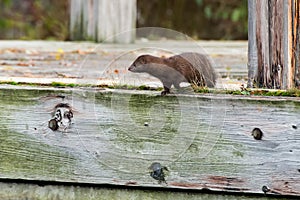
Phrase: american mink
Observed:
(189, 67)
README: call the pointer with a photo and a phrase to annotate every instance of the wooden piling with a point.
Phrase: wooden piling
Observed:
(273, 44)
(103, 20)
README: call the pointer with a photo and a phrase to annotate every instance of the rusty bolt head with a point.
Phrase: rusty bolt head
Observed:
(257, 133)
(265, 189)
(157, 171)
(53, 125)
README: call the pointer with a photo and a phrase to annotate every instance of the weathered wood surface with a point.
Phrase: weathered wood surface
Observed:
(252, 48)
(273, 59)
(87, 63)
(33, 191)
(103, 20)
(204, 140)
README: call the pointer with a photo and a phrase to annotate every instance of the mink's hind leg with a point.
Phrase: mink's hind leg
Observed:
(167, 87)
(166, 91)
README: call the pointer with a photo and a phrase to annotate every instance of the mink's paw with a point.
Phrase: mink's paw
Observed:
(163, 93)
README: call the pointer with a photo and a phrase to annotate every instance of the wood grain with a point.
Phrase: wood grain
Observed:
(205, 140)
(273, 49)
(109, 21)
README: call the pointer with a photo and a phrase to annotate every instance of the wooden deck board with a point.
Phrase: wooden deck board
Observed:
(205, 140)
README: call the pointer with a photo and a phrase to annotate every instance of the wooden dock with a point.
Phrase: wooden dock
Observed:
(204, 140)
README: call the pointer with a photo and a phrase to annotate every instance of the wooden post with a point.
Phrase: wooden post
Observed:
(294, 38)
(277, 32)
(262, 42)
(273, 48)
(103, 20)
(252, 48)
(116, 20)
(75, 21)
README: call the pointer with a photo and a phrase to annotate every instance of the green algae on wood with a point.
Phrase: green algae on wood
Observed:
(205, 141)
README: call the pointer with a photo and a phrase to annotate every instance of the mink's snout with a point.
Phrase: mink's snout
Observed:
(131, 67)
(134, 67)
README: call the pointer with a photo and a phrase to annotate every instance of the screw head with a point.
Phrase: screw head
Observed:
(257, 133)
(265, 189)
(53, 125)
(157, 171)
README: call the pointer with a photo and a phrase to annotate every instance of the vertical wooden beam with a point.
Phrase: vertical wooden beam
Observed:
(277, 33)
(263, 78)
(103, 20)
(82, 25)
(292, 43)
(295, 51)
(90, 20)
(116, 21)
(296, 48)
(274, 49)
(252, 48)
(76, 20)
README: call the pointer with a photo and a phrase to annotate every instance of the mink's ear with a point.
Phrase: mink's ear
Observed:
(142, 60)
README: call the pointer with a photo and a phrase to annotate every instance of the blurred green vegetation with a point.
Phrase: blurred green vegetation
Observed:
(34, 19)
(200, 19)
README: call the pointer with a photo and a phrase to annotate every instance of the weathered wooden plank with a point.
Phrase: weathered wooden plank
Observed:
(80, 192)
(34, 191)
(204, 140)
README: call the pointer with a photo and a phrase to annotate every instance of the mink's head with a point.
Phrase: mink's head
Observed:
(141, 63)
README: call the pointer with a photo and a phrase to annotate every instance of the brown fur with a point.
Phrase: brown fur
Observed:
(194, 68)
